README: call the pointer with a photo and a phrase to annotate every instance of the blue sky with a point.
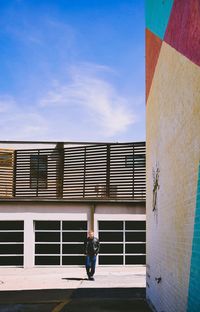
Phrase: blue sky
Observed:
(72, 70)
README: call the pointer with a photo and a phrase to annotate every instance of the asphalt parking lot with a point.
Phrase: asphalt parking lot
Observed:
(68, 290)
(83, 305)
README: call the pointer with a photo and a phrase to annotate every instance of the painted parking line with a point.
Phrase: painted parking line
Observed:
(59, 307)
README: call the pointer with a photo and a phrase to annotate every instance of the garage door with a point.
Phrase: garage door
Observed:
(59, 243)
(11, 243)
(122, 242)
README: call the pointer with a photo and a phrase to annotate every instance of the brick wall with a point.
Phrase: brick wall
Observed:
(173, 146)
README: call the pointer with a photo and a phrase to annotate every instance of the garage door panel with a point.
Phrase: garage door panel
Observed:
(110, 237)
(11, 237)
(47, 249)
(73, 237)
(47, 237)
(62, 244)
(135, 236)
(73, 260)
(47, 260)
(47, 225)
(11, 249)
(74, 225)
(135, 260)
(11, 260)
(122, 242)
(111, 260)
(11, 243)
(111, 248)
(11, 225)
(111, 225)
(135, 225)
(73, 249)
(135, 248)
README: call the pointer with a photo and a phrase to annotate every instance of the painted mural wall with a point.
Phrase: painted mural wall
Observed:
(173, 154)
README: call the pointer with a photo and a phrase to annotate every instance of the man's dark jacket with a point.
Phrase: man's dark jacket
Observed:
(91, 246)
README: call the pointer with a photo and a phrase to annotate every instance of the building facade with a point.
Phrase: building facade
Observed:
(173, 154)
(51, 194)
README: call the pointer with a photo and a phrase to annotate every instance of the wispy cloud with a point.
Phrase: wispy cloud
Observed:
(89, 91)
(20, 123)
(86, 107)
(51, 32)
(6, 103)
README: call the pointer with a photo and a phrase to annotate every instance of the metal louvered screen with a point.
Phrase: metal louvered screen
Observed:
(6, 173)
(37, 173)
(101, 171)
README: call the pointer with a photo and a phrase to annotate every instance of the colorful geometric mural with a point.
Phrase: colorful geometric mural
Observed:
(153, 45)
(194, 285)
(173, 139)
(157, 16)
(183, 30)
(177, 22)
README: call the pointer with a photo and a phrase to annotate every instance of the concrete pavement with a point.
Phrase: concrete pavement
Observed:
(71, 278)
(67, 289)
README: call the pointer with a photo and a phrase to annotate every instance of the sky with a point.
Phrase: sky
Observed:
(72, 70)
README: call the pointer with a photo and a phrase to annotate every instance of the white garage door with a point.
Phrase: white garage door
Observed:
(11, 243)
(122, 242)
(59, 243)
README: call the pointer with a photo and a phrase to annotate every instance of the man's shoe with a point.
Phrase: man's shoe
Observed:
(91, 278)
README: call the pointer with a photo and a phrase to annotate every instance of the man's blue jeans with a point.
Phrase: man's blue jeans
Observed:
(90, 263)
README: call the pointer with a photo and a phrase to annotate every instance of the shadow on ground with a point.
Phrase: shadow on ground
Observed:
(75, 300)
(107, 305)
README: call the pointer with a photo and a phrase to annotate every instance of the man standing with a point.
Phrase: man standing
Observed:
(91, 247)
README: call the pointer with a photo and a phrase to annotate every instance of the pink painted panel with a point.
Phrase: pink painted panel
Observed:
(183, 31)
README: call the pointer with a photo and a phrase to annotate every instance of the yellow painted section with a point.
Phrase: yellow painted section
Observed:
(61, 305)
(173, 142)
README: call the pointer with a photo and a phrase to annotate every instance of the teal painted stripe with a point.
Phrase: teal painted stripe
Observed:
(194, 283)
(157, 16)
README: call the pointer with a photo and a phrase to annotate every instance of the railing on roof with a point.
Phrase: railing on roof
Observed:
(88, 171)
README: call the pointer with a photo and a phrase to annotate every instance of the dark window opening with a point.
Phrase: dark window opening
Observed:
(113, 260)
(111, 248)
(47, 237)
(38, 171)
(9, 249)
(47, 225)
(135, 248)
(11, 261)
(73, 260)
(11, 225)
(75, 225)
(110, 237)
(47, 249)
(135, 236)
(111, 225)
(11, 237)
(73, 249)
(135, 160)
(47, 260)
(135, 225)
(135, 260)
(74, 237)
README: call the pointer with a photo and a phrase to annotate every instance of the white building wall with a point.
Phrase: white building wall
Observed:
(30, 212)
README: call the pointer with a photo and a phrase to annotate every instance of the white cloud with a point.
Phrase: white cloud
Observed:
(87, 108)
(87, 90)
(19, 123)
(6, 103)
